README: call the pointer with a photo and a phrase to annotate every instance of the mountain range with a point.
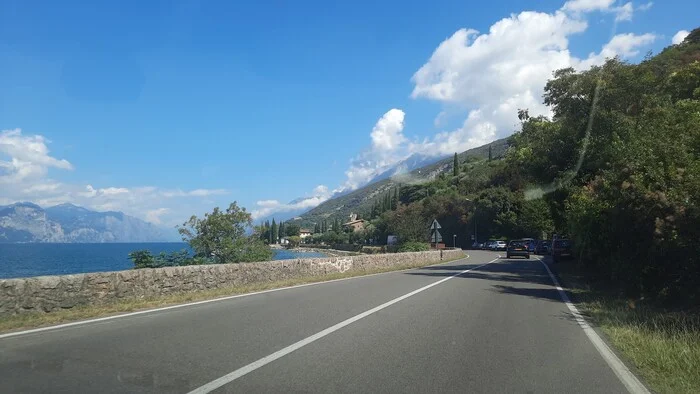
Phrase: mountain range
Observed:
(28, 222)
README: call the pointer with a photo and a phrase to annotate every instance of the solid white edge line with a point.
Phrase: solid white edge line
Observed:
(165, 308)
(228, 378)
(628, 379)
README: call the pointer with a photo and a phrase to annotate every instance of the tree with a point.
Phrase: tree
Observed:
(408, 223)
(293, 230)
(395, 200)
(220, 235)
(455, 165)
(282, 230)
(490, 153)
(317, 228)
(294, 240)
(274, 232)
(142, 258)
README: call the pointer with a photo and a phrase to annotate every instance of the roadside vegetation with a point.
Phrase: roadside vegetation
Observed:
(662, 342)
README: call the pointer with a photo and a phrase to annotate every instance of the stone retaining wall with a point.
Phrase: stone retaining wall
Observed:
(49, 293)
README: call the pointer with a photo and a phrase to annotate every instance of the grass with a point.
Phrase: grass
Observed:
(663, 345)
(39, 319)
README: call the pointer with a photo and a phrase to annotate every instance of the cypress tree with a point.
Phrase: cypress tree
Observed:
(281, 231)
(455, 165)
(273, 230)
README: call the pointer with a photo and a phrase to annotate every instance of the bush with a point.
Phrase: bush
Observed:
(414, 247)
(144, 259)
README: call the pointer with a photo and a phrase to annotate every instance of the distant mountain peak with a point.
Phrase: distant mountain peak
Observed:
(28, 222)
(67, 205)
(26, 204)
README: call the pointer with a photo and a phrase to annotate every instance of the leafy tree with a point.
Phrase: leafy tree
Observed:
(220, 235)
(293, 230)
(294, 240)
(142, 258)
(408, 222)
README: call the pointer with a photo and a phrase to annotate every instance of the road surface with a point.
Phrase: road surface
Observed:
(500, 327)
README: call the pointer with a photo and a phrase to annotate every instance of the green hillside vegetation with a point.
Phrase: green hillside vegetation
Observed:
(361, 201)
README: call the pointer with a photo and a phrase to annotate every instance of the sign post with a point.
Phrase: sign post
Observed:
(435, 235)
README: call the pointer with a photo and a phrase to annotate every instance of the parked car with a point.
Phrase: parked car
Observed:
(499, 245)
(561, 249)
(530, 243)
(487, 245)
(543, 247)
(477, 246)
(518, 247)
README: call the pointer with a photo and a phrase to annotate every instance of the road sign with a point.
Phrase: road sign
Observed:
(435, 236)
(435, 225)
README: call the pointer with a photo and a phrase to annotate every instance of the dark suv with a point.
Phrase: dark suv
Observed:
(561, 249)
(518, 247)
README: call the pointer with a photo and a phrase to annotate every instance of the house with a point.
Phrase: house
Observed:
(304, 233)
(355, 224)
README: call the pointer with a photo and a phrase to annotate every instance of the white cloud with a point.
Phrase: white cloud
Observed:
(193, 193)
(645, 7)
(113, 190)
(265, 208)
(24, 165)
(624, 45)
(587, 5)
(28, 157)
(577, 8)
(387, 133)
(624, 13)
(496, 73)
(679, 37)
(154, 215)
(388, 147)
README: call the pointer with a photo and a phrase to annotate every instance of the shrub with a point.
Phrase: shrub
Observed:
(414, 247)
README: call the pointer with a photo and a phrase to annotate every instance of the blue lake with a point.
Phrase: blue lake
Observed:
(23, 260)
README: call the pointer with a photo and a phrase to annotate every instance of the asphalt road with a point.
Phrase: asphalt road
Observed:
(499, 328)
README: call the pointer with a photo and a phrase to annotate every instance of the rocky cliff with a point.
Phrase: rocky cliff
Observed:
(27, 222)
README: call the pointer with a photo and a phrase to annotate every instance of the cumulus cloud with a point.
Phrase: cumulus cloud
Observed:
(623, 45)
(28, 157)
(24, 166)
(265, 208)
(387, 148)
(679, 37)
(496, 73)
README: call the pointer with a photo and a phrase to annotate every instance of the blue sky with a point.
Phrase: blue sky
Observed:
(163, 109)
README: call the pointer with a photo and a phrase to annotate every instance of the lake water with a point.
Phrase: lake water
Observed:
(23, 260)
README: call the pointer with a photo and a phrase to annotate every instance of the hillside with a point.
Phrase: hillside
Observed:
(361, 200)
(27, 222)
